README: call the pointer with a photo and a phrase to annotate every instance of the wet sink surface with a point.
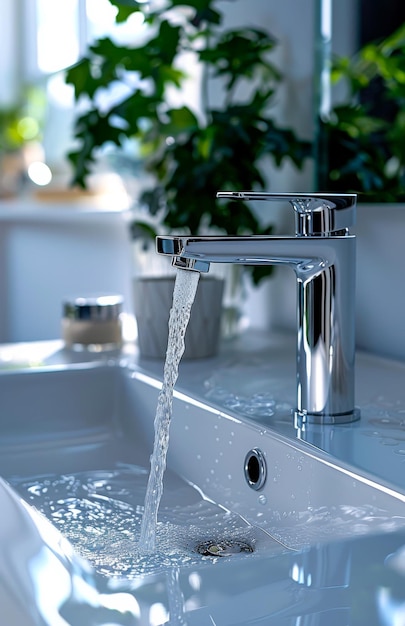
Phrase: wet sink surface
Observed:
(95, 416)
(75, 443)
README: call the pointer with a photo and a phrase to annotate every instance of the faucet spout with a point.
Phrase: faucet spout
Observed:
(324, 267)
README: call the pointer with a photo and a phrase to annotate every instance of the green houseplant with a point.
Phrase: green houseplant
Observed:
(189, 153)
(364, 136)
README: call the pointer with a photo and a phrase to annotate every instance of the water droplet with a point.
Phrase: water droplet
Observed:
(389, 441)
(262, 499)
(372, 433)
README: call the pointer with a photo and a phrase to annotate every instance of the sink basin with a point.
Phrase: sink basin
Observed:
(248, 509)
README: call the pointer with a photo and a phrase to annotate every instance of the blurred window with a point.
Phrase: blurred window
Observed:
(57, 32)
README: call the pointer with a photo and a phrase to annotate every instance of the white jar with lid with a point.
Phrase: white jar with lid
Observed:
(92, 322)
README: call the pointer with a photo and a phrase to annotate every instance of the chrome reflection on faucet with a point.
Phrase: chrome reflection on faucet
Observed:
(323, 256)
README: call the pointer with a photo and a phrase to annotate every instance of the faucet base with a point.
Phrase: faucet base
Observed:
(302, 417)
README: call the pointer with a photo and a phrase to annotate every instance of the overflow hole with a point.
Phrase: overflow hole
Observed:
(255, 469)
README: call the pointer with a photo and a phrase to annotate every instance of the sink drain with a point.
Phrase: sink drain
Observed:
(223, 548)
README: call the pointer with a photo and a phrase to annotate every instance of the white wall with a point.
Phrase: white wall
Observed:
(51, 252)
(380, 293)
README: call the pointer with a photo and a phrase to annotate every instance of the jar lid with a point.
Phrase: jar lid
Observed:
(93, 308)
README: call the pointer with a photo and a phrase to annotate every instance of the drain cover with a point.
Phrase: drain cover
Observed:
(223, 548)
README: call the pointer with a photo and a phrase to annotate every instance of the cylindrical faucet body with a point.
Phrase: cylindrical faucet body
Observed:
(323, 257)
(326, 336)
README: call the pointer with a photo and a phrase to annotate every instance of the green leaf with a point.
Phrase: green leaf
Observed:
(261, 272)
(163, 48)
(204, 11)
(136, 108)
(241, 54)
(81, 78)
(394, 42)
(180, 120)
(142, 230)
(126, 8)
(93, 130)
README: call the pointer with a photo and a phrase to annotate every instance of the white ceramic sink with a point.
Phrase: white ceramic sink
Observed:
(75, 442)
(91, 417)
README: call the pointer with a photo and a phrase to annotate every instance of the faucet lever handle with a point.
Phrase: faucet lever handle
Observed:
(316, 214)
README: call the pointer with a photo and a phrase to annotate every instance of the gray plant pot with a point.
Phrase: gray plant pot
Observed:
(153, 298)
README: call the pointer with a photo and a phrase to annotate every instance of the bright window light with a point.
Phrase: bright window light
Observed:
(65, 27)
(100, 16)
(101, 22)
(57, 34)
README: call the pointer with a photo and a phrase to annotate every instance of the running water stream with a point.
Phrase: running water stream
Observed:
(183, 297)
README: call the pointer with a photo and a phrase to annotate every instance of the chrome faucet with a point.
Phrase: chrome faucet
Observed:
(322, 253)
